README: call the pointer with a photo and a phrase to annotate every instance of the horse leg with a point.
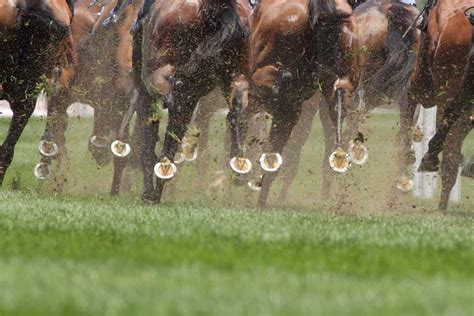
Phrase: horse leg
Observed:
(120, 163)
(179, 118)
(22, 111)
(292, 152)
(205, 112)
(237, 97)
(284, 119)
(329, 141)
(99, 143)
(452, 158)
(405, 137)
(148, 127)
(459, 107)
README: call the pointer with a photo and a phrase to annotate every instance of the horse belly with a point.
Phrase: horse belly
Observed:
(451, 55)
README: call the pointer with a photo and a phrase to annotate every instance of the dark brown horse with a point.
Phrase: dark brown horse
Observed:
(102, 78)
(297, 47)
(183, 51)
(36, 38)
(444, 77)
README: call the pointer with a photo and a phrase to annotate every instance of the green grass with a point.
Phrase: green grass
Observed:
(120, 257)
(83, 252)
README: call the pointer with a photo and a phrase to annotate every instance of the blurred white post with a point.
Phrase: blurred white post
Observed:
(455, 195)
(425, 183)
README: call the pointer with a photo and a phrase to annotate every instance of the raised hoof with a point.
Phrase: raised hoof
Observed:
(429, 164)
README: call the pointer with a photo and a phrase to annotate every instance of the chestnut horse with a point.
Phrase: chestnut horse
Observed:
(102, 78)
(383, 54)
(182, 51)
(383, 60)
(36, 38)
(444, 77)
(297, 47)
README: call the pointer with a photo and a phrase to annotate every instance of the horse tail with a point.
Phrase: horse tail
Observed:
(395, 74)
(222, 26)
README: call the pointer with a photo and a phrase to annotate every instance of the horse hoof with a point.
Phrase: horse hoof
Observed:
(359, 152)
(42, 171)
(99, 141)
(47, 148)
(429, 164)
(165, 169)
(120, 149)
(271, 162)
(340, 161)
(179, 158)
(255, 184)
(418, 135)
(150, 198)
(405, 184)
(240, 165)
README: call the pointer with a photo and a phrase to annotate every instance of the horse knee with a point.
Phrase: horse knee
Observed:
(266, 76)
(160, 79)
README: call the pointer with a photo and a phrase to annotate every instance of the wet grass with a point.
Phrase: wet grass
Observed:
(83, 252)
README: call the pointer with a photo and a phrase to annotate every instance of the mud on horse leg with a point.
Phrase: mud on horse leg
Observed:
(180, 113)
(22, 110)
(452, 158)
(285, 118)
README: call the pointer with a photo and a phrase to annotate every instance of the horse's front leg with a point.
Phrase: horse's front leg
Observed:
(148, 126)
(238, 99)
(180, 112)
(22, 109)
(292, 152)
(285, 118)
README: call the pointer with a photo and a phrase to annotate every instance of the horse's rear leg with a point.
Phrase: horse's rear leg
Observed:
(56, 125)
(452, 158)
(285, 118)
(292, 153)
(22, 111)
(405, 135)
(451, 114)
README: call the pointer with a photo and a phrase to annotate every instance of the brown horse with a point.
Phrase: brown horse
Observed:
(296, 47)
(383, 54)
(182, 51)
(444, 77)
(102, 78)
(384, 57)
(35, 38)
